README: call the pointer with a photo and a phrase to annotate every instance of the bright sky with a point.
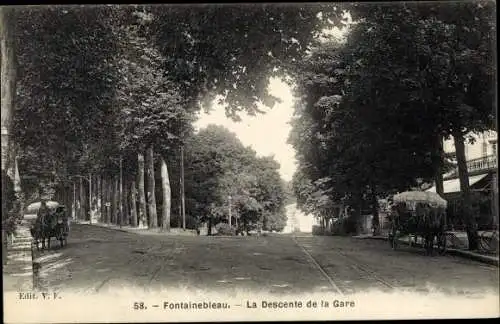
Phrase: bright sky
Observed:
(265, 133)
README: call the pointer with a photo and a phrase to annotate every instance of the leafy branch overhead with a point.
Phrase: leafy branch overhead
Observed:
(372, 107)
(94, 76)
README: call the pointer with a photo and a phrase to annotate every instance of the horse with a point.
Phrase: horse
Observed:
(38, 232)
(48, 225)
(427, 222)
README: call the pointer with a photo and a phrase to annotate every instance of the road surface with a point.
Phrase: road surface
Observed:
(98, 259)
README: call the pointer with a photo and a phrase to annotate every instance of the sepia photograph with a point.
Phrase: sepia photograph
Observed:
(249, 161)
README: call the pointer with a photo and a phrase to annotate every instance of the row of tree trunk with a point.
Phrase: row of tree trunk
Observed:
(125, 200)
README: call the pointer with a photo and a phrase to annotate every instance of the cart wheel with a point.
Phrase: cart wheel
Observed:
(429, 244)
(441, 243)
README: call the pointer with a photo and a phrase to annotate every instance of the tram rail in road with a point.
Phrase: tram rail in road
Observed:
(352, 262)
(319, 267)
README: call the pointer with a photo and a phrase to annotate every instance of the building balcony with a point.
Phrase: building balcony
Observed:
(477, 166)
(482, 164)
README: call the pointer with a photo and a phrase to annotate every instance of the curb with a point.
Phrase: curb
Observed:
(130, 230)
(107, 227)
(474, 256)
(461, 253)
(379, 238)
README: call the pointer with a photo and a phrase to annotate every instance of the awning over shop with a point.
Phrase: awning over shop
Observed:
(451, 186)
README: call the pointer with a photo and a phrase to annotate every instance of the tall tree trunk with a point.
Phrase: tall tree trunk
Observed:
(8, 84)
(167, 196)
(133, 205)
(153, 216)
(88, 186)
(109, 195)
(68, 196)
(375, 213)
(74, 214)
(112, 206)
(91, 196)
(114, 203)
(126, 202)
(438, 163)
(99, 198)
(112, 200)
(77, 199)
(86, 202)
(463, 174)
(183, 191)
(142, 192)
(8, 81)
(104, 198)
(438, 166)
(81, 200)
(120, 196)
(179, 217)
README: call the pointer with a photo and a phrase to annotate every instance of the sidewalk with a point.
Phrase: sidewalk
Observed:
(457, 240)
(17, 273)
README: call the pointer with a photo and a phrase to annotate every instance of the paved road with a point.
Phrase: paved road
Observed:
(98, 259)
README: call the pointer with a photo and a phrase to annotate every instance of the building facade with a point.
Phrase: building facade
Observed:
(485, 144)
(481, 156)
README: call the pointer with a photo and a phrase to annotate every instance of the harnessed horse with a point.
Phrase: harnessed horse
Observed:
(47, 225)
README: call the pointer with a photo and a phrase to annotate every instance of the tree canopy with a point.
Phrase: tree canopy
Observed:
(372, 107)
(221, 170)
(92, 75)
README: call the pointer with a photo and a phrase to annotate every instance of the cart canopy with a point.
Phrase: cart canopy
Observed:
(431, 198)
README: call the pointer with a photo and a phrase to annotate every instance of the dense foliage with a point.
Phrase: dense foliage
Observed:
(374, 108)
(99, 86)
(220, 170)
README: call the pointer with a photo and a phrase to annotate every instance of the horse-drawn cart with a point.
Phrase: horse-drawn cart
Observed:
(419, 214)
(50, 222)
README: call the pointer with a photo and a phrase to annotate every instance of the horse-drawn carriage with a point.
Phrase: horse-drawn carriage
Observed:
(50, 222)
(419, 214)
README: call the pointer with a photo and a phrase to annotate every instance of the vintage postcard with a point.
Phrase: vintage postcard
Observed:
(249, 162)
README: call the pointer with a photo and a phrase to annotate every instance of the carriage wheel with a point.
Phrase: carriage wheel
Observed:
(429, 244)
(60, 238)
(441, 243)
(65, 238)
